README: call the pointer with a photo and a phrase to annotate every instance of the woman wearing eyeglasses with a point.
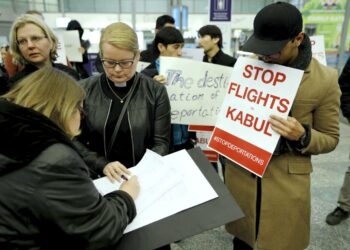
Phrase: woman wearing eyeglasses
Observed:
(34, 45)
(127, 112)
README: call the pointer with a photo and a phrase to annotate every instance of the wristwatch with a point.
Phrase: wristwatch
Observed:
(304, 141)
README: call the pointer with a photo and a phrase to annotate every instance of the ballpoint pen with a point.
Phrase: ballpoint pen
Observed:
(124, 177)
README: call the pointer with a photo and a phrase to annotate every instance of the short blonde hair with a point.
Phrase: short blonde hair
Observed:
(19, 23)
(50, 92)
(120, 35)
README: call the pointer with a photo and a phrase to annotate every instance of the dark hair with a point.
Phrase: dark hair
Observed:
(75, 25)
(162, 20)
(213, 31)
(166, 36)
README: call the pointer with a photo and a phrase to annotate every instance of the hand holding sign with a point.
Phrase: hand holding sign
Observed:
(289, 128)
(257, 93)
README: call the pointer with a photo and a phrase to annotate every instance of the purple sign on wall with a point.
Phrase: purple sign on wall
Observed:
(220, 10)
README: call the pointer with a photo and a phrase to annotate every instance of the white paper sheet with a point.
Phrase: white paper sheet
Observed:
(72, 45)
(191, 190)
(169, 184)
(154, 177)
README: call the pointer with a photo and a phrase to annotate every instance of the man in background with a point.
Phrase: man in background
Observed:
(277, 206)
(210, 39)
(169, 42)
(342, 212)
(150, 55)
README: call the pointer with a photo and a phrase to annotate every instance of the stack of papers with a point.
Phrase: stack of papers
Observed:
(168, 185)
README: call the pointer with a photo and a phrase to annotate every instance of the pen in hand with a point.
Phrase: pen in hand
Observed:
(124, 177)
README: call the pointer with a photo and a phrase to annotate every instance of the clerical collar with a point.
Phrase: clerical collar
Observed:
(120, 85)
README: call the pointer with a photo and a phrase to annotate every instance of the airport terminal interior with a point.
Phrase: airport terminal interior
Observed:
(324, 18)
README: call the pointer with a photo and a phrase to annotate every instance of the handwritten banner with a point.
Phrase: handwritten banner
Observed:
(256, 90)
(196, 89)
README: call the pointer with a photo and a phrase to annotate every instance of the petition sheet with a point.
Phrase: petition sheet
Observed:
(191, 189)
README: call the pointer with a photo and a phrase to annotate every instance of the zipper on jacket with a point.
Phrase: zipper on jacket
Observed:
(132, 140)
(104, 129)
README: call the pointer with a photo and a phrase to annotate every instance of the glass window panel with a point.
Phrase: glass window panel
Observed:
(79, 6)
(107, 6)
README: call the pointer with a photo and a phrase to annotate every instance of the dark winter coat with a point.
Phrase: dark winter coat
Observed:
(47, 200)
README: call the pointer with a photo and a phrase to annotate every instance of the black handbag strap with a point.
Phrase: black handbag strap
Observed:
(122, 113)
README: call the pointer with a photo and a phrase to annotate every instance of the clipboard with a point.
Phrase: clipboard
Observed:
(192, 221)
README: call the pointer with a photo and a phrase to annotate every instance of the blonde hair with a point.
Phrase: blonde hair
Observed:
(19, 23)
(120, 35)
(50, 92)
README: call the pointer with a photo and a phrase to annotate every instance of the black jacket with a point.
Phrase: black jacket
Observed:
(344, 83)
(222, 59)
(29, 68)
(149, 55)
(148, 115)
(47, 200)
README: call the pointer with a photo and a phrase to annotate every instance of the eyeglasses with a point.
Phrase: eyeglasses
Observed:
(34, 39)
(123, 64)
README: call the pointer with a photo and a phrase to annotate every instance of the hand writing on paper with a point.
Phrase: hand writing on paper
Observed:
(131, 186)
(114, 170)
(160, 78)
(289, 128)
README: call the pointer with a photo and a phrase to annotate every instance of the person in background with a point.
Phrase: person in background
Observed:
(127, 112)
(150, 55)
(4, 51)
(12, 68)
(342, 211)
(47, 199)
(277, 206)
(169, 42)
(3, 71)
(210, 39)
(85, 44)
(34, 45)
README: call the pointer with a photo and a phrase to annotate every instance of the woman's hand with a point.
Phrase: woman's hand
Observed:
(131, 186)
(114, 170)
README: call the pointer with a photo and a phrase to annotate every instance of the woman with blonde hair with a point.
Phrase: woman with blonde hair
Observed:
(34, 45)
(127, 112)
(47, 199)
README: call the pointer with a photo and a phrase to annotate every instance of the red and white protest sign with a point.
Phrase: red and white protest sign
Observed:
(256, 90)
(203, 134)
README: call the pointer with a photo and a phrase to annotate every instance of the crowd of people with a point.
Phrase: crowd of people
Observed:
(61, 128)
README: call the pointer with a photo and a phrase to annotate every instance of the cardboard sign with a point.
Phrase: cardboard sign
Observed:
(196, 89)
(318, 49)
(141, 66)
(203, 138)
(61, 49)
(193, 53)
(72, 45)
(256, 90)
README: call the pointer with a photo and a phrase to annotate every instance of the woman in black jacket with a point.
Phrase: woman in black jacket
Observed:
(47, 200)
(127, 112)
